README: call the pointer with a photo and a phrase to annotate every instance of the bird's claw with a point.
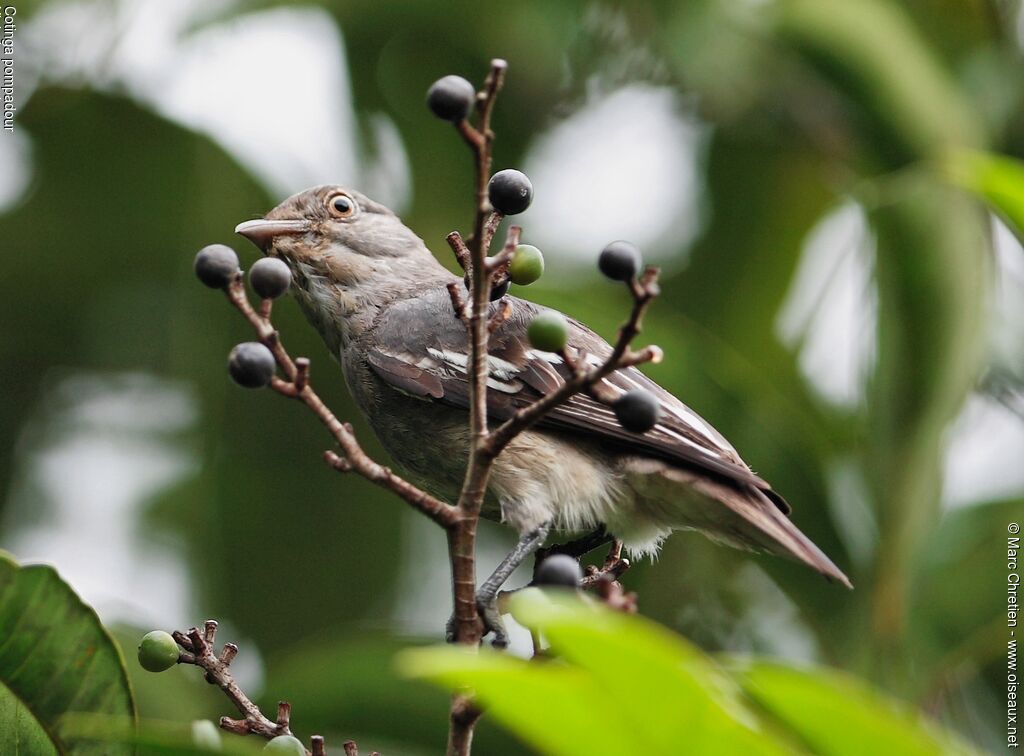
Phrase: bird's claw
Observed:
(487, 607)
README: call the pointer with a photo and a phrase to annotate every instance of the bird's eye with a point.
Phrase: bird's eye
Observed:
(341, 205)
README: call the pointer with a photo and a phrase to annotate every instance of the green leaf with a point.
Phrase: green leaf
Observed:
(622, 685)
(671, 682)
(551, 706)
(55, 658)
(20, 732)
(836, 715)
(997, 179)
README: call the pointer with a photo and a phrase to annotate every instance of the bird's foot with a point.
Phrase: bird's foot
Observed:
(490, 615)
(614, 565)
(487, 605)
(604, 581)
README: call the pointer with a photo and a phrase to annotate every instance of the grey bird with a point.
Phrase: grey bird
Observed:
(378, 298)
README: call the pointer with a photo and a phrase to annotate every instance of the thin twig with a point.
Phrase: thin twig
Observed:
(458, 301)
(462, 537)
(459, 249)
(198, 645)
(297, 386)
(218, 672)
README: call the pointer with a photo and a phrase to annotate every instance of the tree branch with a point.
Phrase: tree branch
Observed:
(297, 386)
(198, 649)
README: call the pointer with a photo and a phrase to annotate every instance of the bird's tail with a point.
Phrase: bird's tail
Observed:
(744, 517)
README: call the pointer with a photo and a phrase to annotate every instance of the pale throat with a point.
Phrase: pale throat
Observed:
(343, 301)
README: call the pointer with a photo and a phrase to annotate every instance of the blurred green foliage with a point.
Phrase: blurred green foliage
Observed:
(808, 105)
(577, 703)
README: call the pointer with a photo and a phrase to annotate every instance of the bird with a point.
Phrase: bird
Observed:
(379, 299)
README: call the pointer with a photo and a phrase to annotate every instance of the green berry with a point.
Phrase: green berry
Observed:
(526, 266)
(251, 364)
(451, 98)
(620, 261)
(285, 744)
(216, 265)
(158, 651)
(558, 570)
(510, 191)
(270, 277)
(548, 331)
(637, 410)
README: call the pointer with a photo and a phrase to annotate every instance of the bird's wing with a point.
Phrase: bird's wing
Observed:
(420, 348)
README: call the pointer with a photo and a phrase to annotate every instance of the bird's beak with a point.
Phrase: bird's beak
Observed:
(262, 232)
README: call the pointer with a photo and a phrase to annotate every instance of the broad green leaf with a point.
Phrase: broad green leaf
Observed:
(677, 694)
(558, 709)
(621, 685)
(20, 731)
(837, 715)
(55, 658)
(997, 179)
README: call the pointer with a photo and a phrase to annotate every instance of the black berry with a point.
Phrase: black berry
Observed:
(216, 265)
(270, 277)
(510, 191)
(620, 261)
(451, 98)
(558, 570)
(637, 410)
(251, 365)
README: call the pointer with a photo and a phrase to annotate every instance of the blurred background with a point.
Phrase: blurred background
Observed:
(851, 322)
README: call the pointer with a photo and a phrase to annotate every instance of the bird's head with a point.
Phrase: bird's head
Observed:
(337, 233)
(348, 254)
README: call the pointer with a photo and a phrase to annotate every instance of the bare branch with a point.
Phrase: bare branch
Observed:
(458, 301)
(297, 386)
(462, 537)
(460, 250)
(199, 651)
(218, 673)
(503, 258)
(301, 374)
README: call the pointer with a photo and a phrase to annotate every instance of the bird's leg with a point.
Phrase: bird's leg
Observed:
(487, 594)
(577, 547)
